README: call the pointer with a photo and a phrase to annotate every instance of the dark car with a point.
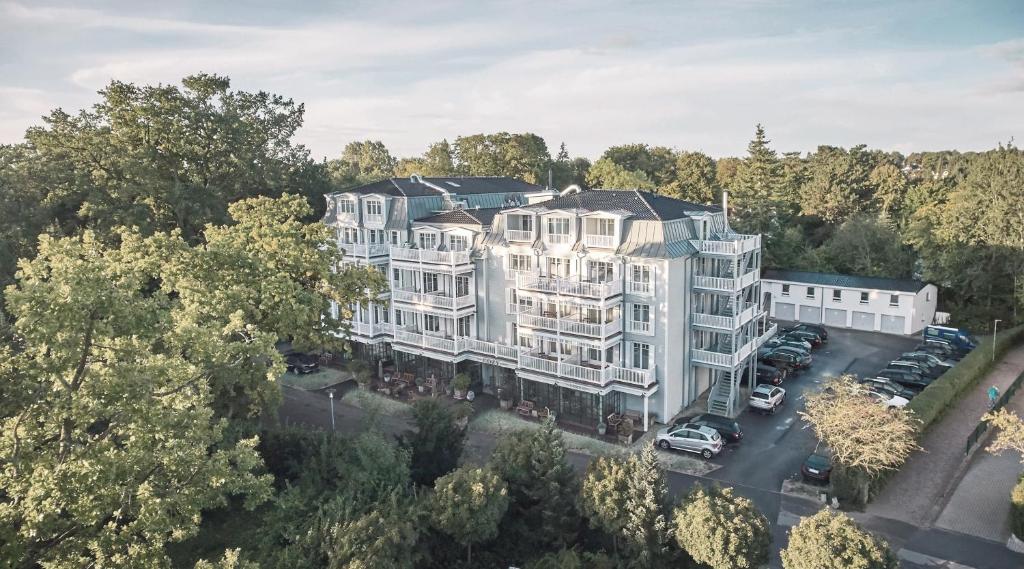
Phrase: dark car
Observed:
(958, 351)
(301, 363)
(803, 357)
(727, 427)
(806, 335)
(943, 351)
(821, 331)
(795, 343)
(769, 374)
(817, 467)
(781, 358)
(905, 378)
(927, 358)
(925, 369)
(886, 386)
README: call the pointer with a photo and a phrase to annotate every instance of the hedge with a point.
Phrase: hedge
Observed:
(945, 391)
(1017, 508)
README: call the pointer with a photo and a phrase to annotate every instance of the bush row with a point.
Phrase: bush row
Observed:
(1017, 508)
(945, 391)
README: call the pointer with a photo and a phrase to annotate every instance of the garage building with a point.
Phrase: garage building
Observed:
(893, 306)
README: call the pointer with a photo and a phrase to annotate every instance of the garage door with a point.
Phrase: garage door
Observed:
(785, 311)
(810, 314)
(893, 324)
(863, 320)
(835, 317)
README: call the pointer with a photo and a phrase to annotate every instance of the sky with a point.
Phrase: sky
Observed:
(692, 75)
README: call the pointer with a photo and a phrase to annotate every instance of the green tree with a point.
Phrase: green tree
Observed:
(646, 525)
(468, 504)
(542, 486)
(572, 559)
(756, 187)
(438, 160)
(890, 190)
(605, 174)
(524, 156)
(864, 245)
(721, 530)
(656, 163)
(110, 444)
(837, 186)
(382, 537)
(725, 172)
(694, 179)
(436, 443)
(833, 541)
(603, 496)
(362, 162)
(168, 157)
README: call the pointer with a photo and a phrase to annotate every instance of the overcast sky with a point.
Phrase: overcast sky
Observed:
(904, 76)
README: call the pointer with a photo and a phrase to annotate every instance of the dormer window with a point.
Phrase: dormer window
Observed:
(600, 233)
(458, 242)
(428, 240)
(520, 227)
(558, 230)
(346, 206)
(375, 211)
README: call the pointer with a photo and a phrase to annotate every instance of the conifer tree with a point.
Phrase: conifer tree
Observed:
(646, 523)
(757, 186)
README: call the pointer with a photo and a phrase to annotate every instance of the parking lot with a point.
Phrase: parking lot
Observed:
(774, 446)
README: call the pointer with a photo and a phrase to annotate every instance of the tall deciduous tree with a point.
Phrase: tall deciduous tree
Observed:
(833, 541)
(864, 245)
(438, 160)
(524, 156)
(362, 162)
(837, 186)
(468, 504)
(605, 174)
(603, 496)
(693, 179)
(721, 530)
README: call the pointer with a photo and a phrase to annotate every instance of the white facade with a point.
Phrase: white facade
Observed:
(892, 306)
(593, 299)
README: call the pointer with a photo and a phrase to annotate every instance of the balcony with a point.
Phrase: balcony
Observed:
(371, 330)
(727, 284)
(640, 288)
(402, 253)
(373, 219)
(594, 373)
(492, 349)
(724, 322)
(724, 359)
(640, 327)
(413, 337)
(434, 299)
(365, 250)
(599, 241)
(742, 244)
(767, 335)
(520, 235)
(558, 238)
(568, 324)
(555, 285)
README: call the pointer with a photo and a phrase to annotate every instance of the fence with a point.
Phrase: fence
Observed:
(982, 427)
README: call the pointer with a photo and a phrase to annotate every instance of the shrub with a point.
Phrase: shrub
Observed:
(833, 541)
(1017, 509)
(461, 382)
(931, 403)
(721, 530)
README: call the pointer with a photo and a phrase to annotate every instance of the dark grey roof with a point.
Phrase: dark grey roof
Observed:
(409, 187)
(478, 216)
(847, 281)
(642, 205)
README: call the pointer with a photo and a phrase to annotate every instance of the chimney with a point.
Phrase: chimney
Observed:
(725, 208)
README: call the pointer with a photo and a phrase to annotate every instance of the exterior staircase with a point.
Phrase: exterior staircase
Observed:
(722, 400)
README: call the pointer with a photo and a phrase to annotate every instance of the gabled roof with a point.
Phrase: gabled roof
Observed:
(639, 204)
(417, 186)
(843, 281)
(479, 216)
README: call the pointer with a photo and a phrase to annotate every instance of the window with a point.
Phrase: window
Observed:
(601, 271)
(558, 230)
(894, 300)
(397, 276)
(641, 318)
(785, 290)
(810, 292)
(604, 227)
(640, 282)
(428, 240)
(399, 317)
(431, 323)
(375, 208)
(517, 263)
(526, 222)
(558, 267)
(458, 242)
(641, 355)
(376, 235)
(837, 295)
(463, 326)
(394, 238)
(863, 298)
(928, 297)
(461, 285)
(346, 206)
(429, 282)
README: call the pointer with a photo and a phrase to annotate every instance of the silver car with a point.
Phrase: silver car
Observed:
(691, 438)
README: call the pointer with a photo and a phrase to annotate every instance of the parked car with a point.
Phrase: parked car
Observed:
(702, 440)
(780, 367)
(879, 384)
(926, 358)
(726, 426)
(766, 398)
(818, 466)
(790, 341)
(301, 363)
(925, 370)
(804, 359)
(806, 335)
(938, 349)
(905, 378)
(785, 359)
(821, 331)
(957, 337)
(888, 399)
(957, 351)
(769, 374)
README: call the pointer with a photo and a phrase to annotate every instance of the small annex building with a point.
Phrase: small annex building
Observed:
(892, 306)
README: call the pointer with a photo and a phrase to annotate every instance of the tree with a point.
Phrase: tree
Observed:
(605, 174)
(110, 444)
(361, 163)
(468, 504)
(863, 435)
(656, 163)
(603, 496)
(438, 160)
(721, 530)
(436, 444)
(833, 541)
(1011, 431)
(646, 522)
(524, 156)
(864, 245)
(837, 186)
(542, 486)
(382, 537)
(167, 157)
(890, 190)
(756, 187)
(694, 178)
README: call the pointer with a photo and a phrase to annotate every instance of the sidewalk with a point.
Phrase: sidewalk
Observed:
(917, 491)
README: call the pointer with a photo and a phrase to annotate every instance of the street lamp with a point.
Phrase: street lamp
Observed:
(330, 393)
(995, 329)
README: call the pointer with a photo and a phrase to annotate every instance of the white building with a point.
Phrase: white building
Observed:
(588, 303)
(893, 306)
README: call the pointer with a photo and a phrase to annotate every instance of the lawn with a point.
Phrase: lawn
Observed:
(324, 377)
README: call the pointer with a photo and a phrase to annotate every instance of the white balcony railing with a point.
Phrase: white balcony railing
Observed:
(401, 253)
(725, 322)
(640, 288)
(568, 324)
(554, 285)
(373, 219)
(558, 238)
(365, 249)
(370, 330)
(432, 299)
(767, 335)
(727, 284)
(742, 244)
(599, 241)
(596, 373)
(430, 342)
(726, 360)
(493, 349)
(639, 327)
(519, 235)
